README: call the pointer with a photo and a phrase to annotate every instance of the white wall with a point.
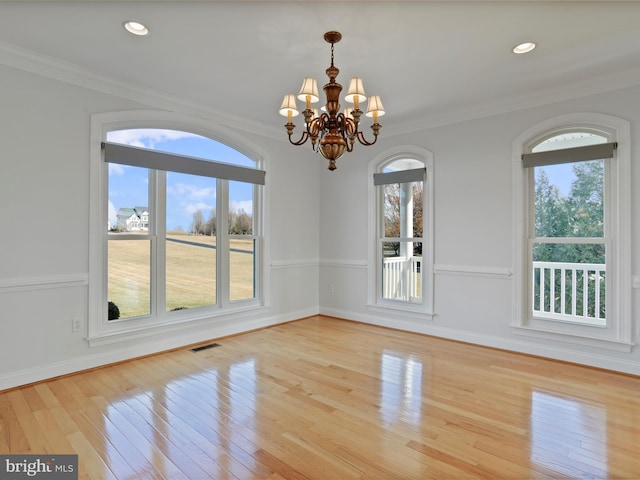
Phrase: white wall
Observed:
(317, 231)
(473, 231)
(44, 245)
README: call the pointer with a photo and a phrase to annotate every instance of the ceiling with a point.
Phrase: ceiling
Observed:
(432, 63)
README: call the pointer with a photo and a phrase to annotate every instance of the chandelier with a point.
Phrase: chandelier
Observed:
(331, 131)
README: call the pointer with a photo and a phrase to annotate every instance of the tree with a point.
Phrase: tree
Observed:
(211, 226)
(232, 218)
(393, 214)
(417, 209)
(392, 210)
(586, 204)
(197, 226)
(244, 223)
(587, 199)
(417, 216)
(551, 219)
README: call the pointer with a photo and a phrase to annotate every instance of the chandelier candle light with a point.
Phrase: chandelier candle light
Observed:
(332, 132)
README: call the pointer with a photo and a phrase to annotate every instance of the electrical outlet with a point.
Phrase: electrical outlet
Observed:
(331, 289)
(76, 325)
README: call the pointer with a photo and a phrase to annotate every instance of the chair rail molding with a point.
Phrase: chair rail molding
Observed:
(44, 282)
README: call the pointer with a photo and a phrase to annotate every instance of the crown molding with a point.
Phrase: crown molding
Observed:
(590, 86)
(51, 67)
(56, 69)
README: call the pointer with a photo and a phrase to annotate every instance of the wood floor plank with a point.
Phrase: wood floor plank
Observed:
(91, 464)
(217, 441)
(199, 446)
(34, 432)
(90, 421)
(12, 436)
(323, 398)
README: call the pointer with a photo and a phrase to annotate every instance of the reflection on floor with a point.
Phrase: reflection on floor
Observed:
(324, 399)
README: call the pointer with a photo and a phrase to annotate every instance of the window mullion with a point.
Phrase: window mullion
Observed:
(610, 203)
(222, 241)
(531, 204)
(160, 229)
(257, 231)
(153, 237)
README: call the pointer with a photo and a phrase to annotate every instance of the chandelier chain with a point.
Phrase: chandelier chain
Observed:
(332, 44)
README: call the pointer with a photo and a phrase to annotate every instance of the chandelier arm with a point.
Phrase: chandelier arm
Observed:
(317, 125)
(376, 130)
(350, 143)
(364, 141)
(303, 137)
(348, 129)
(315, 129)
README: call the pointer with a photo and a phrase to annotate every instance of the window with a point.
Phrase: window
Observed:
(180, 230)
(571, 277)
(567, 240)
(403, 250)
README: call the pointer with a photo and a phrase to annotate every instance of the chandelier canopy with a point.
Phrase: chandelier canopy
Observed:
(332, 131)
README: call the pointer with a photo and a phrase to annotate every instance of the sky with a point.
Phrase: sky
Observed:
(561, 176)
(129, 186)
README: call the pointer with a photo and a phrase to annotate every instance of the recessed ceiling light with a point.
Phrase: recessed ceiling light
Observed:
(136, 28)
(525, 47)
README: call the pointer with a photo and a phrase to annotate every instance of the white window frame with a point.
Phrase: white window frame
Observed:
(423, 310)
(618, 333)
(102, 331)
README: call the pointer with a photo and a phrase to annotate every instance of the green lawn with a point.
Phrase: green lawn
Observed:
(190, 276)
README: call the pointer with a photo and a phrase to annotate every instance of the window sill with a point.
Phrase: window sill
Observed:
(404, 310)
(123, 331)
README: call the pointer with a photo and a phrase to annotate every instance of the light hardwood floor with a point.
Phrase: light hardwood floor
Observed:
(327, 399)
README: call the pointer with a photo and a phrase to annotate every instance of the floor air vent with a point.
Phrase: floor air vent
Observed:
(205, 347)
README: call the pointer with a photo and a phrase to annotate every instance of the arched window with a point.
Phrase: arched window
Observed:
(571, 273)
(403, 251)
(181, 229)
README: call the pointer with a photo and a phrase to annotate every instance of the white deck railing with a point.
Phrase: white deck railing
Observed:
(572, 292)
(401, 279)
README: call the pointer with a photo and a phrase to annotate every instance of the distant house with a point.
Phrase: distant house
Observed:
(133, 219)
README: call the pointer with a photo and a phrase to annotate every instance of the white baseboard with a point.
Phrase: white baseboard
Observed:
(36, 374)
(564, 354)
(169, 342)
